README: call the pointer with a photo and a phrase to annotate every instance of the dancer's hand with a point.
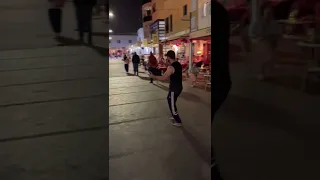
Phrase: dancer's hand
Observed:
(152, 75)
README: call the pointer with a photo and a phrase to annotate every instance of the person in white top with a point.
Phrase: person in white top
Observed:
(126, 63)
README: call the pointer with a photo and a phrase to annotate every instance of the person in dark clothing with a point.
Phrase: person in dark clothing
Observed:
(153, 65)
(135, 62)
(55, 15)
(220, 76)
(84, 18)
(174, 72)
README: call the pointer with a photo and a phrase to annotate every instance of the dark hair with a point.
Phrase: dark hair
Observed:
(171, 54)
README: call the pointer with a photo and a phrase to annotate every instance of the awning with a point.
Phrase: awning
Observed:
(179, 35)
(200, 33)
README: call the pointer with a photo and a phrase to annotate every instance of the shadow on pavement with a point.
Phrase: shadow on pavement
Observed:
(130, 74)
(186, 95)
(144, 78)
(102, 51)
(197, 146)
(102, 34)
(66, 41)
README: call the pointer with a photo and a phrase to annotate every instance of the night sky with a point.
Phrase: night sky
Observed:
(128, 16)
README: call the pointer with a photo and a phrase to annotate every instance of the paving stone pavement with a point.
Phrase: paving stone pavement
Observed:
(143, 143)
(53, 114)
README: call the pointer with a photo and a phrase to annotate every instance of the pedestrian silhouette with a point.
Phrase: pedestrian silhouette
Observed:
(84, 10)
(55, 15)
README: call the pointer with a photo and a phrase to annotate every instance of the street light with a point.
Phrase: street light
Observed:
(110, 38)
(111, 14)
(110, 31)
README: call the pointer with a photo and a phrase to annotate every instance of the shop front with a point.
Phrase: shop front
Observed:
(200, 46)
(179, 43)
(118, 52)
(179, 46)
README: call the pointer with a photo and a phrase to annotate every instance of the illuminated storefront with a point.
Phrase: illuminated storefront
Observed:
(157, 30)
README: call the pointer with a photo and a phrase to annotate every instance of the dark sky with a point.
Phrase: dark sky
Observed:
(128, 18)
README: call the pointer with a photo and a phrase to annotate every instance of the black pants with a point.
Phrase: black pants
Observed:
(84, 21)
(172, 100)
(55, 16)
(136, 68)
(217, 99)
(126, 67)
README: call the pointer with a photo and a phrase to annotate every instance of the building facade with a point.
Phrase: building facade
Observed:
(200, 27)
(147, 20)
(154, 25)
(121, 43)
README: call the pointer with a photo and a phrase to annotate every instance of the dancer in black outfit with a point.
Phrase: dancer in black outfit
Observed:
(220, 67)
(174, 72)
(84, 10)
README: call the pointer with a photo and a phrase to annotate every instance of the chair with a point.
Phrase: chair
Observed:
(299, 65)
(208, 83)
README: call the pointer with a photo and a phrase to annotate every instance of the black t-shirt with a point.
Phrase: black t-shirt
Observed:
(176, 77)
(220, 34)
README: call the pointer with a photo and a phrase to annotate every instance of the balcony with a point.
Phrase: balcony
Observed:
(146, 1)
(147, 18)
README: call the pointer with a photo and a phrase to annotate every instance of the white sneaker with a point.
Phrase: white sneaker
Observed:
(176, 124)
(171, 118)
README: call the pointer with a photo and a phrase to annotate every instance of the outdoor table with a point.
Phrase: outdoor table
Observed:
(204, 69)
(298, 22)
(208, 80)
(312, 69)
(294, 37)
(313, 46)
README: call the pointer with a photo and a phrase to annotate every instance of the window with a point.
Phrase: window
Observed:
(148, 12)
(154, 7)
(185, 10)
(130, 41)
(206, 9)
(171, 24)
(167, 24)
(119, 41)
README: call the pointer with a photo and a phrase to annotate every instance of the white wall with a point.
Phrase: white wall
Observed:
(204, 14)
(140, 35)
(124, 41)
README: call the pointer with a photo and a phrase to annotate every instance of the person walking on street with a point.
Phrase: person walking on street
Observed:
(55, 15)
(174, 72)
(153, 65)
(126, 63)
(84, 10)
(135, 62)
(144, 64)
